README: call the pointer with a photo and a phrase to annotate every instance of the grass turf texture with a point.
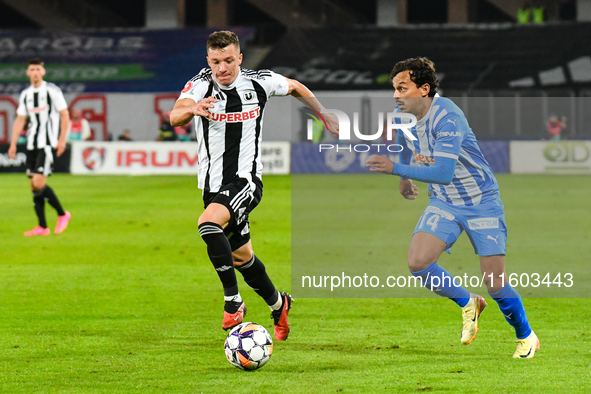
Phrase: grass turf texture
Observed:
(125, 300)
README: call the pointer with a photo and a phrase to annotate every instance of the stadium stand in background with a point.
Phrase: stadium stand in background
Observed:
(123, 63)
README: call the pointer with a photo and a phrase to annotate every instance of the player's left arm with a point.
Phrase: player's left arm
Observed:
(305, 95)
(60, 105)
(19, 124)
(64, 123)
(450, 131)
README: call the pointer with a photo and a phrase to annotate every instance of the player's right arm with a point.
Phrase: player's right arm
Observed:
(19, 124)
(192, 101)
(185, 109)
(407, 189)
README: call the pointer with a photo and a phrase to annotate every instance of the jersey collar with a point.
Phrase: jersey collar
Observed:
(424, 118)
(232, 85)
(40, 86)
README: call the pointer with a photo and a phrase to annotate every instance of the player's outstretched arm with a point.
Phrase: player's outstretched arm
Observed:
(17, 128)
(305, 95)
(185, 109)
(442, 172)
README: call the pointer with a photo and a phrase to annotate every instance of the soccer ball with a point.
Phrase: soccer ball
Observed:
(248, 346)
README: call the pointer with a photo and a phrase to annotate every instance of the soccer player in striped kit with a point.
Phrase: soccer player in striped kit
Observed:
(44, 105)
(228, 104)
(464, 196)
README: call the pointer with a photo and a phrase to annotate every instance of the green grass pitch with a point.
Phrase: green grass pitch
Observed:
(126, 301)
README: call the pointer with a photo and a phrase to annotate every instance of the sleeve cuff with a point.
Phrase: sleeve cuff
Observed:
(395, 173)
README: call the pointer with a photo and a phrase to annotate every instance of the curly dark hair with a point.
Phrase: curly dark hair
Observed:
(422, 71)
(221, 39)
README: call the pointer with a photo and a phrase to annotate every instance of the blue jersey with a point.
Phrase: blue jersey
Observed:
(444, 132)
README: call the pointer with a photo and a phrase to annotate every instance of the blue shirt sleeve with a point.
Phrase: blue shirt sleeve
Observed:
(405, 155)
(442, 172)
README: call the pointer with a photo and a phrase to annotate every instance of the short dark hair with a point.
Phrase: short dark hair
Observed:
(422, 71)
(221, 39)
(36, 61)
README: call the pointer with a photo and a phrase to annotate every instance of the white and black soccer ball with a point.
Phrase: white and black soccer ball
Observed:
(248, 346)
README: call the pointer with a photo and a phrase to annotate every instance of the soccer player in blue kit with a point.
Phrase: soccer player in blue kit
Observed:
(463, 196)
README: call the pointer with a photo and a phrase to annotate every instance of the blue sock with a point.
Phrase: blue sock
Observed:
(511, 305)
(446, 286)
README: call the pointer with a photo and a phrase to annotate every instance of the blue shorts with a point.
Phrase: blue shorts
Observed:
(484, 224)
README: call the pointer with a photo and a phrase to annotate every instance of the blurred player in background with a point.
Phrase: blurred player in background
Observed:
(228, 104)
(46, 108)
(464, 196)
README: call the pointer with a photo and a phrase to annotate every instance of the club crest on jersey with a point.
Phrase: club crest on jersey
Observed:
(235, 117)
(248, 96)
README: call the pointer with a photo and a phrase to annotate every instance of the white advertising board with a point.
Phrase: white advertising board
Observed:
(147, 158)
(550, 157)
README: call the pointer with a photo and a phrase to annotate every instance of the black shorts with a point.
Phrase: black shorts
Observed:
(40, 161)
(240, 200)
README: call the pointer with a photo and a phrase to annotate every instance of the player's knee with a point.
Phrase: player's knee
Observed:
(203, 218)
(242, 257)
(417, 262)
(216, 216)
(207, 217)
(494, 283)
(37, 183)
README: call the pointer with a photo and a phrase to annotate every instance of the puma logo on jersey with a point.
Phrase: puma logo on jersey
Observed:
(452, 121)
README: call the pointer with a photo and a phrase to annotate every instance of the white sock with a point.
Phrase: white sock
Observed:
(233, 298)
(278, 304)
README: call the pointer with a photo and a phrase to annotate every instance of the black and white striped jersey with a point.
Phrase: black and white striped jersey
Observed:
(42, 105)
(230, 142)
